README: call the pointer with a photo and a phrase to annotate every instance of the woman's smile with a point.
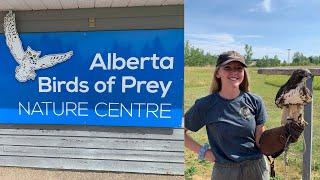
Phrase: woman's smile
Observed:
(233, 78)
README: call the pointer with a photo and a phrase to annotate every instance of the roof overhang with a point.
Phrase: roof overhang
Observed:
(24, 5)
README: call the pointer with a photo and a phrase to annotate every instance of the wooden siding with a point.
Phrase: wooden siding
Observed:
(119, 149)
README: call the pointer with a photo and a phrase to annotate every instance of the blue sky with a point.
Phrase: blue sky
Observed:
(269, 26)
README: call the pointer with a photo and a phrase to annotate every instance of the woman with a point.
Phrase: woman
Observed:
(234, 119)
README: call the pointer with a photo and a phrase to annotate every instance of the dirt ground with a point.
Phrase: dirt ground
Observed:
(13, 173)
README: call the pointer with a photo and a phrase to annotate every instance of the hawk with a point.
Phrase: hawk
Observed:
(293, 95)
(29, 61)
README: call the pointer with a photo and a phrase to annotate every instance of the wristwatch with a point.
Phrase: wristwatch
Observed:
(204, 148)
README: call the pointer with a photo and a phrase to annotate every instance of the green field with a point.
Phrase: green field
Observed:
(197, 82)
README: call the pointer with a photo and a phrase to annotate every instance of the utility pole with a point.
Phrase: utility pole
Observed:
(288, 54)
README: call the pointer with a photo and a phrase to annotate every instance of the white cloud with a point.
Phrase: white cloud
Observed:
(254, 9)
(218, 43)
(216, 47)
(249, 36)
(266, 4)
(220, 38)
(260, 51)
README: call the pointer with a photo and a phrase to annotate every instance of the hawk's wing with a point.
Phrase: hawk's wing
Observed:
(299, 95)
(52, 59)
(291, 84)
(12, 37)
(279, 96)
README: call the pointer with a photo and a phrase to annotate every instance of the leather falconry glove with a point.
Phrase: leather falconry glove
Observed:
(295, 130)
(274, 141)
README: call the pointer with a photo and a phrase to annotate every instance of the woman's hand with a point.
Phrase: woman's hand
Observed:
(259, 130)
(209, 156)
(195, 147)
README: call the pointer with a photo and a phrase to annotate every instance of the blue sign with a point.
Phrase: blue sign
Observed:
(114, 78)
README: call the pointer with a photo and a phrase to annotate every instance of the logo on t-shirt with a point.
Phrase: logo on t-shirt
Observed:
(245, 112)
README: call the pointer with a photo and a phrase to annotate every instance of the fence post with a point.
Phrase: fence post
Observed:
(307, 156)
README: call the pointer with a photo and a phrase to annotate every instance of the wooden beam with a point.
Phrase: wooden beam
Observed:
(285, 71)
(88, 142)
(93, 131)
(93, 165)
(307, 156)
(92, 153)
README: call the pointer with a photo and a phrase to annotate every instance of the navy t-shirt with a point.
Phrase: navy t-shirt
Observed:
(230, 125)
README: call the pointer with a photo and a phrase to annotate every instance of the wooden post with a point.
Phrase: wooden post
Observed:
(307, 156)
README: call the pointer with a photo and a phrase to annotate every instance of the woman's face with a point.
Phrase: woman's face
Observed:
(231, 74)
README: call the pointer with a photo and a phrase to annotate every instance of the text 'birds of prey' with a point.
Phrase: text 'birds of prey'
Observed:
(293, 95)
(29, 61)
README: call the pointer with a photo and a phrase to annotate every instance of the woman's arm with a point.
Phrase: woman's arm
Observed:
(259, 130)
(195, 147)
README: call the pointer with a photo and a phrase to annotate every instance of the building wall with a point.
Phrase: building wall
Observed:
(122, 149)
(151, 17)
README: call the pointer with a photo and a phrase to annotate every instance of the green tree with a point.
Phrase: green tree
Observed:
(197, 57)
(275, 61)
(187, 50)
(264, 62)
(268, 62)
(314, 60)
(299, 59)
(249, 53)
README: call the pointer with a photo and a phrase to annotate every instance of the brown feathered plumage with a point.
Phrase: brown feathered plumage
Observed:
(293, 95)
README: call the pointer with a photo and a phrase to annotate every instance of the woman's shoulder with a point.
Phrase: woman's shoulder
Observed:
(206, 101)
(252, 96)
(253, 100)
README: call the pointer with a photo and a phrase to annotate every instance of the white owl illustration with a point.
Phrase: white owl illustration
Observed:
(29, 61)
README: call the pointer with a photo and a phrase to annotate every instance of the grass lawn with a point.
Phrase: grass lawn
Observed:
(197, 82)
